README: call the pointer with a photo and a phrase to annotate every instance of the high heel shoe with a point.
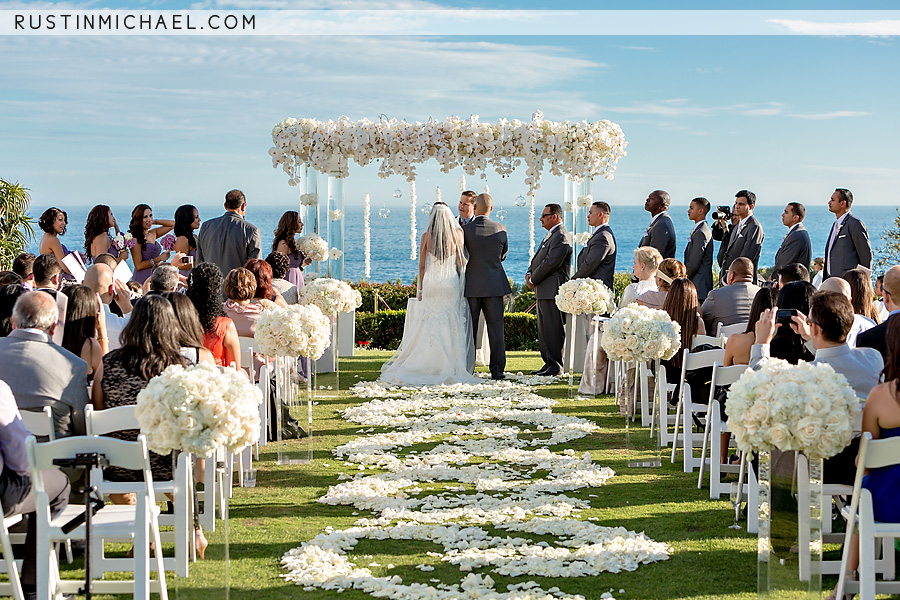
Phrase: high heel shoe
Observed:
(200, 542)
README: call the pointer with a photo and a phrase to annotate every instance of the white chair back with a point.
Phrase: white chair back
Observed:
(39, 423)
(691, 361)
(712, 432)
(698, 340)
(726, 330)
(247, 344)
(118, 418)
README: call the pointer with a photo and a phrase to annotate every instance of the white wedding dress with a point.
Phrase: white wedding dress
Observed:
(437, 346)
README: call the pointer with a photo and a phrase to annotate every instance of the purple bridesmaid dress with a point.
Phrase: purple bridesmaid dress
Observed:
(149, 252)
(295, 269)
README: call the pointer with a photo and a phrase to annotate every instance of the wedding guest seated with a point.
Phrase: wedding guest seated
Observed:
(862, 294)
(877, 336)
(682, 306)
(10, 278)
(262, 271)
(791, 273)
(8, 295)
(731, 304)
(48, 278)
(786, 343)
(136, 290)
(39, 372)
(23, 266)
(219, 334)
(164, 278)
(669, 270)
(85, 334)
(99, 278)
(819, 270)
(737, 346)
(646, 262)
(879, 299)
(16, 495)
(191, 334)
(280, 265)
(860, 323)
(242, 306)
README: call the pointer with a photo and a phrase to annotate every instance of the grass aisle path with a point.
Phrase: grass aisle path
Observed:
(707, 560)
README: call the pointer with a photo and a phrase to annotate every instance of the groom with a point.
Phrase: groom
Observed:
(486, 282)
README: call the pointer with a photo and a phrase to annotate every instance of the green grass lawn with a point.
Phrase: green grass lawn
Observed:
(708, 560)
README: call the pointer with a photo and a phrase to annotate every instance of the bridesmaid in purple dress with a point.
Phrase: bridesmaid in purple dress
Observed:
(97, 240)
(289, 226)
(53, 223)
(187, 221)
(147, 253)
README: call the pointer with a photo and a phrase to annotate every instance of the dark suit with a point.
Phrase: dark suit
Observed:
(795, 248)
(850, 248)
(698, 260)
(745, 241)
(228, 241)
(486, 283)
(876, 337)
(40, 374)
(549, 269)
(597, 260)
(661, 235)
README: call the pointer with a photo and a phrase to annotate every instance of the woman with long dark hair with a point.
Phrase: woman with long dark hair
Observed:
(264, 288)
(187, 221)
(147, 253)
(219, 334)
(191, 335)
(53, 223)
(737, 347)
(85, 331)
(862, 295)
(787, 343)
(97, 240)
(289, 226)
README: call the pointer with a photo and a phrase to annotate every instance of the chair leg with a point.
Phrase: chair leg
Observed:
(703, 455)
(866, 568)
(678, 410)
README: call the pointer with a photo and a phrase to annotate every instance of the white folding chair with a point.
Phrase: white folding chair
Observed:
(10, 565)
(697, 340)
(873, 454)
(712, 433)
(726, 330)
(120, 418)
(686, 409)
(136, 522)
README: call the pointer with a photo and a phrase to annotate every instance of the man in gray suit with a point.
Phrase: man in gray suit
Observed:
(229, 241)
(746, 237)
(848, 243)
(486, 281)
(698, 254)
(795, 248)
(660, 232)
(548, 270)
(597, 260)
(39, 372)
(731, 304)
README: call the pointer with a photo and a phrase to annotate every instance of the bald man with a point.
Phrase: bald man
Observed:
(660, 233)
(876, 337)
(731, 304)
(860, 323)
(100, 279)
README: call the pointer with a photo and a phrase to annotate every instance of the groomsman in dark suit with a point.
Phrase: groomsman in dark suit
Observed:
(795, 248)
(746, 237)
(848, 243)
(548, 270)
(466, 207)
(486, 281)
(597, 260)
(698, 254)
(660, 232)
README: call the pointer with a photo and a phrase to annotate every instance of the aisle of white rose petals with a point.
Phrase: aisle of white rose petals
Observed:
(489, 467)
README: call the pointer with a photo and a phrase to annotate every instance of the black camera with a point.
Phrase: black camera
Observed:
(722, 212)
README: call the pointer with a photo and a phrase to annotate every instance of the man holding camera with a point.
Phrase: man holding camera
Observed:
(746, 237)
(795, 248)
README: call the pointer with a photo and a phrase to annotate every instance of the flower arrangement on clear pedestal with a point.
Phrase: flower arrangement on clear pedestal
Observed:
(638, 333)
(292, 331)
(585, 296)
(331, 296)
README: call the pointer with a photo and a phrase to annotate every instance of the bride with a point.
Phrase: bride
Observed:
(437, 346)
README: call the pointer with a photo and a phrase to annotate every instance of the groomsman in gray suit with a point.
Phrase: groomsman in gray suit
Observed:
(848, 243)
(486, 281)
(660, 232)
(229, 241)
(746, 237)
(795, 248)
(698, 254)
(597, 260)
(548, 270)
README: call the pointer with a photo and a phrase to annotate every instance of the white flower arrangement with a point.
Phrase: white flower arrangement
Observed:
(584, 201)
(198, 409)
(639, 333)
(413, 232)
(582, 296)
(331, 296)
(308, 199)
(313, 247)
(569, 206)
(335, 254)
(292, 331)
(367, 236)
(336, 214)
(582, 238)
(804, 407)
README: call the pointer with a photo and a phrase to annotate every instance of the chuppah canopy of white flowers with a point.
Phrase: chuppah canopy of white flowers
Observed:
(489, 468)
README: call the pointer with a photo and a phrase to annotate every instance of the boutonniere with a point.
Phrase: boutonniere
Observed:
(743, 227)
(841, 226)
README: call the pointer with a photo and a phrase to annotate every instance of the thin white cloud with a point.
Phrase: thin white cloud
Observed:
(865, 28)
(682, 108)
(675, 107)
(885, 172)
(837, 114)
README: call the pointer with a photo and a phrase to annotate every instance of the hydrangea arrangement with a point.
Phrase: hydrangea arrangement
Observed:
(638, 333)
(805, 407)
(581, 296)
(198, 409)
(313, 247)
(331, 296)
(295, 330)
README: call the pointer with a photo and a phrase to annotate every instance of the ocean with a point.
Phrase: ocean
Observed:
(390, 237)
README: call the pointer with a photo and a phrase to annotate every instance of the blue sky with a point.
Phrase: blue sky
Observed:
(165, 120)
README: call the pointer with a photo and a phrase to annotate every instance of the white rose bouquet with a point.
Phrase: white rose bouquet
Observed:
(296, 330)
(313, 247)
(580, 296)
(804, 407)
(638, 333)
(198, 409)
(331, 296)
